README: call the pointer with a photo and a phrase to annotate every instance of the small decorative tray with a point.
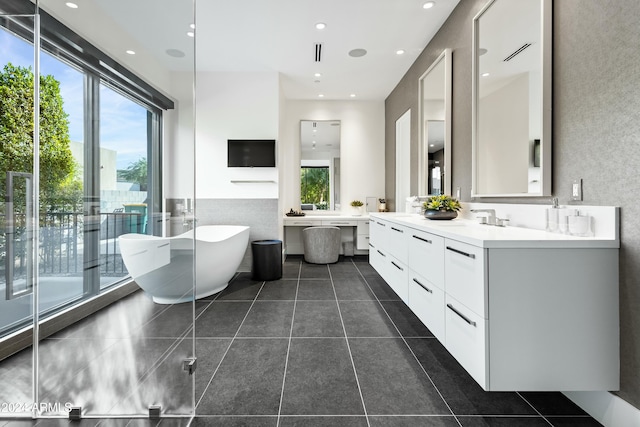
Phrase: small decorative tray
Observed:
(295, 214)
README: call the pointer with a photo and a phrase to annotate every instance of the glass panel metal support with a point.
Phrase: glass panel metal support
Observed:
(189, 365)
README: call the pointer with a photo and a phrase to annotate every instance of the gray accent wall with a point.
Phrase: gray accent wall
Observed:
(596, 130)
(262, 215)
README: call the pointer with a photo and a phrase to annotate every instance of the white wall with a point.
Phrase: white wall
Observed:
(361, 142)
(234, 106)
(178, 140)
(403, 157)
(228, 106)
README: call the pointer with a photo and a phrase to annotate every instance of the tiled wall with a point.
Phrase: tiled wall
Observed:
(259, 214)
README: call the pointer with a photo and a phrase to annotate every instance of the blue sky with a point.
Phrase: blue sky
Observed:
(122, 122)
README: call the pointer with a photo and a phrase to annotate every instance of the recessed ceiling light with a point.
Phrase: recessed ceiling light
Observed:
(485, 74)
(317, 75)
(191, 33)
(428, 5)
(482, 51)
(432, 145)
(353, 95)
(400, 52)
(357, 53)
(320, 95)
(315, 130)
(321, 26)
(192, 26)
(71, 5)
(131, 52)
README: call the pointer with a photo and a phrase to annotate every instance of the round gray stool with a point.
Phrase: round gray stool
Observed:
(321, 244)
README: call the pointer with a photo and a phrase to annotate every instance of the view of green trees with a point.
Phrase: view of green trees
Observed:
(314, 186)
(60, 185)
(135, 173)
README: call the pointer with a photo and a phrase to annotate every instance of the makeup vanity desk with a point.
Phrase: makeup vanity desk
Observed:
(354, 231)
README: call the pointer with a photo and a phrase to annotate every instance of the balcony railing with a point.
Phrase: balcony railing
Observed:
(61, 247)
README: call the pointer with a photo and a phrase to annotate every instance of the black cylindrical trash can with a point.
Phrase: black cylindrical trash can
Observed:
(267, 259)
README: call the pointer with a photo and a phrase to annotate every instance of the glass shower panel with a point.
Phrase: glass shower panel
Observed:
(135, 357)
(17, 186)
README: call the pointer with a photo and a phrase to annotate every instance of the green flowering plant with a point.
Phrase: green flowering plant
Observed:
(356, 203)
(442, 203)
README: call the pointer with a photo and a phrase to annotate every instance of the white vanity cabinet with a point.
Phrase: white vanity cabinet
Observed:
(362, 235)
(426, 280)
(520, 312)
(389, 242)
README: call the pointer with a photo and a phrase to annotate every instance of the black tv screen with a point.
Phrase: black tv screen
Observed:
(250, 153)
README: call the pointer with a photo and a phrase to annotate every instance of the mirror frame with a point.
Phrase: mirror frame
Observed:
(546, 67)
(423, 152)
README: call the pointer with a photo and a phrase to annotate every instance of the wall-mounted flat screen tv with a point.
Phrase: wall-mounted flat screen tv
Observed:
(251, 153)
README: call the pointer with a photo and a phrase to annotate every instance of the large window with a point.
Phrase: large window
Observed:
(96, 181)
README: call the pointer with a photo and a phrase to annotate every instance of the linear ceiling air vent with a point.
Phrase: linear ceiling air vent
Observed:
(516, 52)
(318, 52)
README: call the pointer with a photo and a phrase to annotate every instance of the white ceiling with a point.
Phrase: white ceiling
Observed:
(271, 35)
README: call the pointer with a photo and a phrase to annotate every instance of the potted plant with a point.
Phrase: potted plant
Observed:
(357, 207)
(441, 207)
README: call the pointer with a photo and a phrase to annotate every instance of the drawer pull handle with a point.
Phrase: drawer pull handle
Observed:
(372, 246)
(366, 223)
(423, 239)
(339, 223)
(397, 229)
(465, 318)
(381, 253)
(458, 251)
(162, 246)
(397, 266)
(422, 286)
(379, 223)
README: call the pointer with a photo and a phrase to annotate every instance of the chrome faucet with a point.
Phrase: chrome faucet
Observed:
(490, 218)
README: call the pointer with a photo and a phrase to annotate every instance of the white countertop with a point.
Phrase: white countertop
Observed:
(489, 236)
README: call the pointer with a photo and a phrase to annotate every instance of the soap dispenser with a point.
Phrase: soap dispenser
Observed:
(552, 216)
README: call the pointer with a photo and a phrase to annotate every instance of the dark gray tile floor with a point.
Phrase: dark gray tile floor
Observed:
(326, 345)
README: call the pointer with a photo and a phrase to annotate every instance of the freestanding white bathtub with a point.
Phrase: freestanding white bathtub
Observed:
(163, 266)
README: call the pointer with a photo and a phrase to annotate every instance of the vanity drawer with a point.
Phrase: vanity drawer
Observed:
(340, 222)
(378, 233)
(362, 242)
(427, 302)
(397, 276)
(465, 275)
(302, 222)
(426, 256)
(398, 242)
(378, 259)
(466, 339)
(363, 227)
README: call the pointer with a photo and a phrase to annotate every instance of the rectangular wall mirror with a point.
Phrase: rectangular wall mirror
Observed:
(320, 164)
(434, 173)
(512, 99)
